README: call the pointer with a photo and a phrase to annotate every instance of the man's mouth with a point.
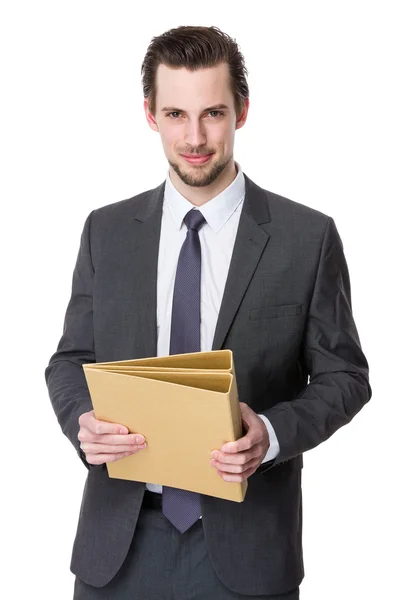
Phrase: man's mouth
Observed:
(196, 159)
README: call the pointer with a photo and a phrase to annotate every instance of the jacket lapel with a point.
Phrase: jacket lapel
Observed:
(250, 242)
(144, 262)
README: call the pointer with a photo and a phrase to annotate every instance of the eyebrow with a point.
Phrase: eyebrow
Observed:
(174, 109)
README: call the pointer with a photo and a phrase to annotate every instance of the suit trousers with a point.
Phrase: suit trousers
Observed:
(163, 564)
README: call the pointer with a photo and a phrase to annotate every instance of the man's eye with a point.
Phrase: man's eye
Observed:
(172, 114)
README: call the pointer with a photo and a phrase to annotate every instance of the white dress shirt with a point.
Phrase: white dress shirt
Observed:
(217, 237)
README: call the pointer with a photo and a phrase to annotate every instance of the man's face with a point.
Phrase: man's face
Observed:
(187, 126)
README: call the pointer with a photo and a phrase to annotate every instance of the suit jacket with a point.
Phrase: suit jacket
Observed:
(286, 315)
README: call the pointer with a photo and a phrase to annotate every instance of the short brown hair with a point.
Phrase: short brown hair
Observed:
(194, 48)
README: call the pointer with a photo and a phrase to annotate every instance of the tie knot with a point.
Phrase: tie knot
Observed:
(194, 219)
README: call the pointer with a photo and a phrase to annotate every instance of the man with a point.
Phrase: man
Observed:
(206, 260)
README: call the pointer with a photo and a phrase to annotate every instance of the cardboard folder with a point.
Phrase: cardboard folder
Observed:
(185, 405)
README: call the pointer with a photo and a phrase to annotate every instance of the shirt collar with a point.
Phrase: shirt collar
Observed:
(216, 211)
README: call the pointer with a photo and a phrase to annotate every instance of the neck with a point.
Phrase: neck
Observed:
(200, 195)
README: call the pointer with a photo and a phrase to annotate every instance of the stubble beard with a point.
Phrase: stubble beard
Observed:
(200, 179)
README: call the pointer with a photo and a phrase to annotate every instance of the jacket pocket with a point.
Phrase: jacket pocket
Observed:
(274, 312)
(283, 468)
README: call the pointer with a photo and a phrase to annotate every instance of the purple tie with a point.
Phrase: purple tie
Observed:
(182, 507)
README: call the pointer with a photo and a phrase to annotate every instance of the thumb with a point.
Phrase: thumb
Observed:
(247, 414)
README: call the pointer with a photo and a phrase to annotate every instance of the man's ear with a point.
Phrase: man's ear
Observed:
(241, 120)
(149, 117)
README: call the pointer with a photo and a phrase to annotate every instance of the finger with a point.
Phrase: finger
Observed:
(236, 478)
(251, 425)
(131, 438)
(229, 468)
(89, 448)
(88, 420)
(238, 458)
(100, 459)
(100, 427)
(112, 439)
(246, 414)
(244, 443)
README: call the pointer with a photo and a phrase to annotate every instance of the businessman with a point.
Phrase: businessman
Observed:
(206, 260)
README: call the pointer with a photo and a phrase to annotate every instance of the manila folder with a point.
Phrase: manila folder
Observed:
(185, 406)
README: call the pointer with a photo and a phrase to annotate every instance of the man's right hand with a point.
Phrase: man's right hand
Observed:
(104, 442)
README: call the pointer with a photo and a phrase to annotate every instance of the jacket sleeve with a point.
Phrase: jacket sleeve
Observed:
(338, 385)
(64, 375)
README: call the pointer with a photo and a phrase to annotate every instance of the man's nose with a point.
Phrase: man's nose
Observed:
(195, 134)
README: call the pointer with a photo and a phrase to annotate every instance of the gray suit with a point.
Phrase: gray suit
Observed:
(286, 315)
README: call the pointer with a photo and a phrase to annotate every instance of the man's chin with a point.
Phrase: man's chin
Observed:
(198, 175)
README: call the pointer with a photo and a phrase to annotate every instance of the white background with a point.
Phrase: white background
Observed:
(323, 129)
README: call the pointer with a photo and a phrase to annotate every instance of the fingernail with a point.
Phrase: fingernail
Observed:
(139, 439)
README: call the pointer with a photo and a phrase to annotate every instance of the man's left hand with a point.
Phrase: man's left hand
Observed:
(236, 461)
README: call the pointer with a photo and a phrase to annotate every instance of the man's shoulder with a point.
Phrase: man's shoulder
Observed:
(284, 208)
(129, 206)
(283, 211)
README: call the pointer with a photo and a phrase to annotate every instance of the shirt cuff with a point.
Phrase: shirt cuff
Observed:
(273, 449)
